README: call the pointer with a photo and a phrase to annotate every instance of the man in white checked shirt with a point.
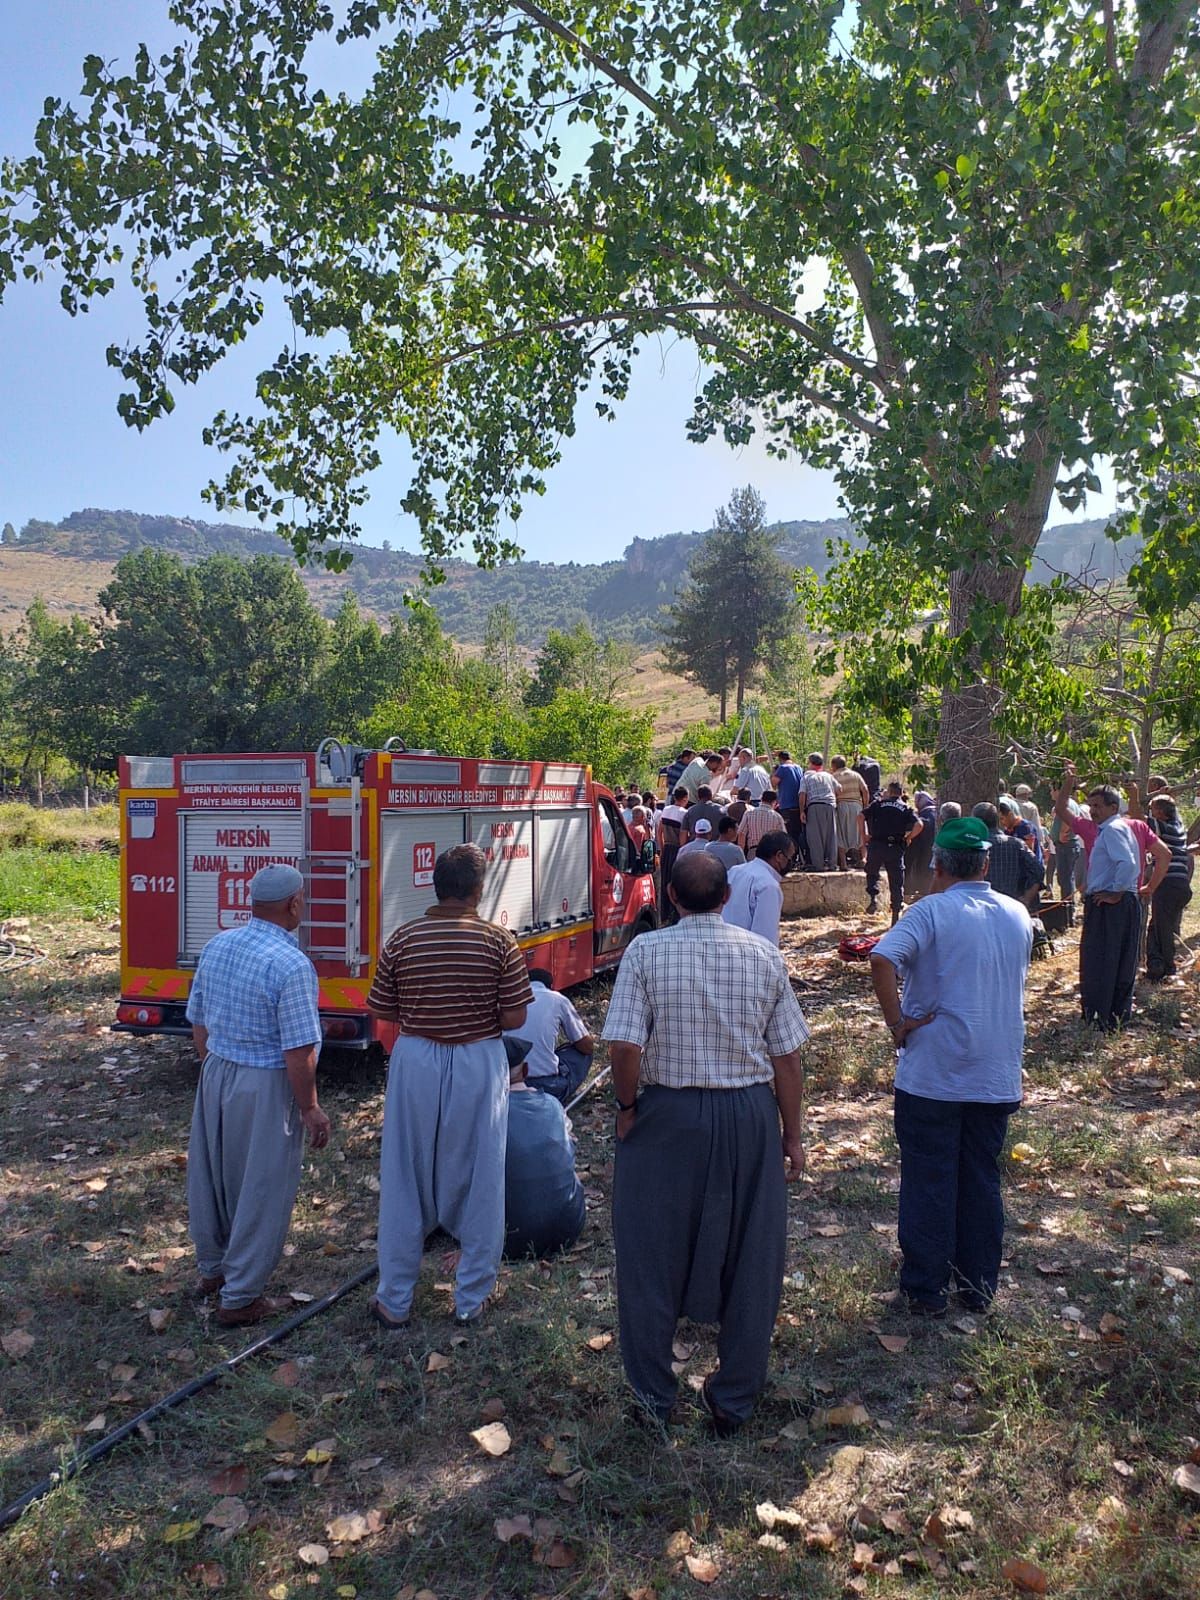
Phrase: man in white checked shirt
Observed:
(705, 1037)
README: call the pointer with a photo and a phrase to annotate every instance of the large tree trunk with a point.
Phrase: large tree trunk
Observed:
(969, 746)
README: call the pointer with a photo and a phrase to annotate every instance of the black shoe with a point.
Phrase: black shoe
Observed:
(926, 1310)
(392, 1324)
(723, 1425)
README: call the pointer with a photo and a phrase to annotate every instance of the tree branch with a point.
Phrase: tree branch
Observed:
(601, 63)
(745, 297)
(1157, 41)
(585, 319)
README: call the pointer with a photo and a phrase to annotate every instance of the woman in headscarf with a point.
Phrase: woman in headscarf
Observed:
(918, 869)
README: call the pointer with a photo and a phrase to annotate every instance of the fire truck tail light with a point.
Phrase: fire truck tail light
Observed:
(339, 1028)
(140, 1016)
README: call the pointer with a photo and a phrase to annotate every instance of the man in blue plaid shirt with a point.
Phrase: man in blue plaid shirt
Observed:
(253, 1010)
(1012, 869)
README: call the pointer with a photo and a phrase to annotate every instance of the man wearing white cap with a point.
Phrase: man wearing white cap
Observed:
(253, 1010)
(701, 838)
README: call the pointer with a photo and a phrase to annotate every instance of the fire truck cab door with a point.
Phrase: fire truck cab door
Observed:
(617, 867)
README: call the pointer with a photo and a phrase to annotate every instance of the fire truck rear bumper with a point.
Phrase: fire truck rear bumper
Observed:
(145, 1018)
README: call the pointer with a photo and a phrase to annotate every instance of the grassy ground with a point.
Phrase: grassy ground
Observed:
(58, 863)
(1048, 1433)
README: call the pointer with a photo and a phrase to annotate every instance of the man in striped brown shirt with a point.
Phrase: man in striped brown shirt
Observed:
(454, 983)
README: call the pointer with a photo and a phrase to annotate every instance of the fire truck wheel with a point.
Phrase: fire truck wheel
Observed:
(644, 924)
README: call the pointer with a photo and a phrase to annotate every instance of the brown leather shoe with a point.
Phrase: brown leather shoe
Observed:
(257, 1311)
(204, 1287)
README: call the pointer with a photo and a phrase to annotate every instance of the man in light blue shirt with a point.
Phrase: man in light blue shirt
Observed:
(1112, 905)
(253, 1010)
(962, 953)
(756, 890)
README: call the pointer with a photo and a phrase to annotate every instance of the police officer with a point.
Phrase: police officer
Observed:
(886, 826)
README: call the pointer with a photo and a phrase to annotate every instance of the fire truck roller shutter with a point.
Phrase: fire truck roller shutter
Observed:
(564, 881)
(221, 853)
(409, 844)
(506, 839)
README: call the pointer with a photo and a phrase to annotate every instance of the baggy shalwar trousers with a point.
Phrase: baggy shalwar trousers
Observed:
(445, 1126)
(700, 1228)
(821, 827)
(244, 1159)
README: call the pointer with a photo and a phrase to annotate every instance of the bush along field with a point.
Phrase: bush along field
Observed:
(1051, 1447)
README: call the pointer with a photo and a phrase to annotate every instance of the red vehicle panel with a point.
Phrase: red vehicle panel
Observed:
(365, 828)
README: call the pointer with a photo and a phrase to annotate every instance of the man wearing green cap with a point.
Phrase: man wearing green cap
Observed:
(962, 953)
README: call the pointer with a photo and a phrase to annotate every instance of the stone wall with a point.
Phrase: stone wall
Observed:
(824, 894)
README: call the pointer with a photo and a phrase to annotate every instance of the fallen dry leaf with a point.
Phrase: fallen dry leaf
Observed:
(229, 1513)
(555, 1554)
(284, 1431)
(493, 1439)
(1187, 1478)
(230, 1480)
(287, 1374)
(558, 1466)
(678, 1545)
(208, 1574)
(702, 1568)
(894, 1343)
(437, 1362)
(353, 1526)
(820, 1537)
(122, 1373)
(830, 1230)
(96, 1425)
(1023, 1575)
(180, 1532)
(509, 1528)
(600, 1341)
(841, 1417)
(313, 1555)
(96, 1185)
(492, 1410)
(321, 1453)
(17, 1344)
(896, 1522)
(159, 1318)
(862, 1557)
(772, 1516)
(364, 1464)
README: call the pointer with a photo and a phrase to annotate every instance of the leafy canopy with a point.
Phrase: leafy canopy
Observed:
(946, 250)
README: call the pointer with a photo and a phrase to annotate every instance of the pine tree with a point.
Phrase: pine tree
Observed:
(736, 605)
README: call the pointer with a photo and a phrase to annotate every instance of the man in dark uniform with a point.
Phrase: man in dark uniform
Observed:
(886, 826)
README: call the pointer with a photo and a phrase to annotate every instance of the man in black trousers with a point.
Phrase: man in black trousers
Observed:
(705, 1037)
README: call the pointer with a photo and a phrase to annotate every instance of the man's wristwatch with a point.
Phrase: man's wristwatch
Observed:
(632, 1106)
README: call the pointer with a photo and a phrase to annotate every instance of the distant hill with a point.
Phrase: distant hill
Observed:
(620, 599)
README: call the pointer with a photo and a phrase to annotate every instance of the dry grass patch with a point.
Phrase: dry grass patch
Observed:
(903, 1459)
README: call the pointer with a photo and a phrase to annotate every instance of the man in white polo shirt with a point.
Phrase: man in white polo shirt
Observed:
(556, 1069)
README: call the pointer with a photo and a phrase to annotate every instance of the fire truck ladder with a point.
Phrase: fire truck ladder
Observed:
(334, 883)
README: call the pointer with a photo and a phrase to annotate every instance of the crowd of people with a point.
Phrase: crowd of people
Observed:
(705, 1040)
(729, 802)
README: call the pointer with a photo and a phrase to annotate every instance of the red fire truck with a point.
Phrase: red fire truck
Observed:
(365, 827)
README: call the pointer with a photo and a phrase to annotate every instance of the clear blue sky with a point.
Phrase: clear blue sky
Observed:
(64, 446)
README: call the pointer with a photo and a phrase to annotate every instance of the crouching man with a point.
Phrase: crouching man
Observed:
(253, 1011)
(544, 1206)
(962, 953)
